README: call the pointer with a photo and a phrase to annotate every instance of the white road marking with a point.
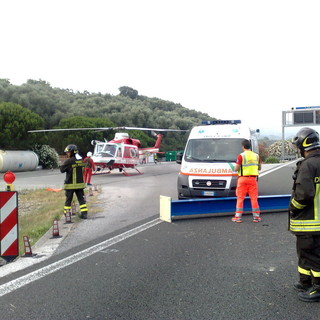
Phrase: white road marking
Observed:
(276, 168)
(56, 266)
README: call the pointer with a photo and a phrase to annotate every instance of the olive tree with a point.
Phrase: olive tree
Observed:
(15, 122)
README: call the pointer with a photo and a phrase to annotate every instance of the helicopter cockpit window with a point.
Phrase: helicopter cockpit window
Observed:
(99, 147)
(109, 150)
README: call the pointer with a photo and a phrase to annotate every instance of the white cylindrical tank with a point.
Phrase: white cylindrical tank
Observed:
(16, 160)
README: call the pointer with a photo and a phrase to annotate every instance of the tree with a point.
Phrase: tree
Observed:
(15, 122)
(59, 140)
(128, 92)
(128, 108)
(263, 151)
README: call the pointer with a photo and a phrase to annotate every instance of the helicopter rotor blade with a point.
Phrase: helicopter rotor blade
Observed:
(150, 129)
(102, 129)
(69, 129)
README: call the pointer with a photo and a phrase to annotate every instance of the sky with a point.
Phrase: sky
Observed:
(247, 60)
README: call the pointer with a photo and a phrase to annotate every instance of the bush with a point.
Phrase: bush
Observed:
(272, 160)
(48, 157)
(275, 150)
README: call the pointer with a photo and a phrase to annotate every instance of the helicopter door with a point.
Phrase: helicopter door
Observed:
(131, 154)
(119, 152)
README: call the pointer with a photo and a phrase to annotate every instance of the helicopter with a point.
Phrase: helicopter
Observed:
(122, 152)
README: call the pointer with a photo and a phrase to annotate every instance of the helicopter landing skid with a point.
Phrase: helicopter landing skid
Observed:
(124, 172)
(102, 171)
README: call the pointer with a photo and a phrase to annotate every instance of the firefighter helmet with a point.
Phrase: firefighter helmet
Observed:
(306, 139)
(89, 154)
(71, 148)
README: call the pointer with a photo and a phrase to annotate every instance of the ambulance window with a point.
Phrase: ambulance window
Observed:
(255, 146)
(210, 150)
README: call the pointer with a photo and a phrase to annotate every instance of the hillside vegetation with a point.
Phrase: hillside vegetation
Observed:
(37, 105)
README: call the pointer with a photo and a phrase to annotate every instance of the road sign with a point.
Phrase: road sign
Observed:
(301, 116)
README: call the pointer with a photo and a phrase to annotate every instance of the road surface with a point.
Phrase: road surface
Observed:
(207, 268)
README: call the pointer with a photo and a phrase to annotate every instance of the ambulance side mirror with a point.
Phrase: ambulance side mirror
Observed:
(179, 157)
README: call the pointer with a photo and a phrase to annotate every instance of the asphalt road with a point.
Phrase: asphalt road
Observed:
(208, 268)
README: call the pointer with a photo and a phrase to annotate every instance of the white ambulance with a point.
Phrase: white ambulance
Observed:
(207, 164)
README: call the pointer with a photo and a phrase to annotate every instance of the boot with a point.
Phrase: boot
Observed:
(311, 295)
(83, 215)
(304, 283)
(256, 219)
(299, 286)
(236, 219)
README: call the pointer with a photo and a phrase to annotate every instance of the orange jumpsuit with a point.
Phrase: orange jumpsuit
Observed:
(248, 182)
(88, 170)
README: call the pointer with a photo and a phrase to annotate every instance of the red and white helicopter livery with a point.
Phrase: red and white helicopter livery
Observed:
(120, 153)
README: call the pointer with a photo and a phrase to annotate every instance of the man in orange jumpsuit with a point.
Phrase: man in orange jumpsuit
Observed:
(248, 165)
(89, 167)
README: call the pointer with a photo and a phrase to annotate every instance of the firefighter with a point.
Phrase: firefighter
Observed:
(89, 167)
(248, 165)
(304, 214)
(74, 183)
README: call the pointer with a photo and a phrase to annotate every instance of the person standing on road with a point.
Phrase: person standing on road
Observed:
(89, 167)
(74, 183)
(304, 214)
(247, 165)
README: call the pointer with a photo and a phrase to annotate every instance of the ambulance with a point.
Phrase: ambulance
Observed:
(207, 164)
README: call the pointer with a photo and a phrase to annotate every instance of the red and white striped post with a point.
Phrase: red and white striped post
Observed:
(9, 243)
(9, 235)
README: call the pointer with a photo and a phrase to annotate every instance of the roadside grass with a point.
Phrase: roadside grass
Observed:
(37, 209)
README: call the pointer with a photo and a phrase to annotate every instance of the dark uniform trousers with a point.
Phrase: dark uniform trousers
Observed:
(81, 199)
(308, 249)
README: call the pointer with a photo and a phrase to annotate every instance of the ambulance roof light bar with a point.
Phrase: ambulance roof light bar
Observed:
(212, 122)
(304, 108)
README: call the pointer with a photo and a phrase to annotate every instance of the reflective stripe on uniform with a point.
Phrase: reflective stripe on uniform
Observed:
(66, 208)
(81, 185)
(297, 205)
(304, 225)
(315, 274)
(316, 202)
(83, 208)
(304, 271)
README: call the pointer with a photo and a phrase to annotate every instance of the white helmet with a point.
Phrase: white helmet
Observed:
(89, 154)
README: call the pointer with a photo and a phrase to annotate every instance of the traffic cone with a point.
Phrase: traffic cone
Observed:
(90, 192)
(74, 208)
(68, 216)
(55, 229)
(27, 247)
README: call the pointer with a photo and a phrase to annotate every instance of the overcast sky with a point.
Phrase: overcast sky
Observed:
(247, 59)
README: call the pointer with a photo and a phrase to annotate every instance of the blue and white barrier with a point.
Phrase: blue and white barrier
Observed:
(196, 208)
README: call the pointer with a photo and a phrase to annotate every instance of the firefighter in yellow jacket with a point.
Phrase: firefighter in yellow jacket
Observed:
(305, 214)
(74, 182)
